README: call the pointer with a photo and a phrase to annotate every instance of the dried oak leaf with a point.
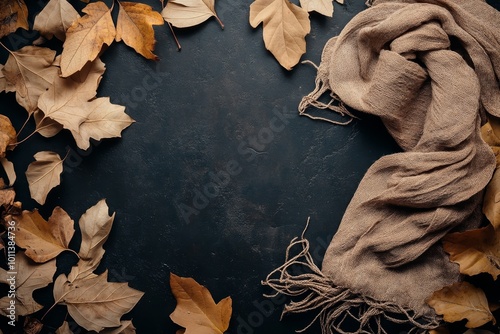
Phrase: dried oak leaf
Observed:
(94, 303)
(323, 7)
(285, 27)
(30, 71)
(135, 27)
(188, 13)
(95, 225)
(55, 18)
(86, 37)
(476, 251)
(44, 240)
(462, 300)
(30, 276)
(13, 15)
(196, 310)
(44, 174)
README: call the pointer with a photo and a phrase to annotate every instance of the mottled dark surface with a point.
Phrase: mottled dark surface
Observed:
(199, 112)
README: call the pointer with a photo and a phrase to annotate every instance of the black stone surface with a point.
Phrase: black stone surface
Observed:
(222, 103)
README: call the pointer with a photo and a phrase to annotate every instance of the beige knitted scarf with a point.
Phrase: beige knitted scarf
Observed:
(430, 70)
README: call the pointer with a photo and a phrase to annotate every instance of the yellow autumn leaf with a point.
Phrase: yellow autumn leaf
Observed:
(461, 301)
(285, 27)
(86, 37)
(196, 310)
(188, 13)
(135, 27)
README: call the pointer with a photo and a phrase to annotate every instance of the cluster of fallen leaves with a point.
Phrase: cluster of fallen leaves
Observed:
(285, 26)
(476, 252)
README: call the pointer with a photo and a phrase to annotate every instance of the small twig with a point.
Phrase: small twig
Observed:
(175, 37)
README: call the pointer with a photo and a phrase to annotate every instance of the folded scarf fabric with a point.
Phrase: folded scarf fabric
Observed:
(429, 69)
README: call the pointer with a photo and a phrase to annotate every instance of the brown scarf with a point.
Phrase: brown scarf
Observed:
(429, 69)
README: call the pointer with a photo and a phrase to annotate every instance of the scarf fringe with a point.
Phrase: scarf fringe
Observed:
(335, 304)
(312, 100)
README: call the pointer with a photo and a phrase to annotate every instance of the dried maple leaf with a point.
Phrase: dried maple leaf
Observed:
(55, 18)
(64, 329)
(460, 301)
(95, 225)
(30, 71)
(66, 99)
(323, 7)
(44, 240)
(86, 37)
(135, 27)
(196, 310)
(285, 27)
(188, 13)
(29, 277)
(105, 120)
(476, 251)
(13, 15)
(94, 303)
(44, 174)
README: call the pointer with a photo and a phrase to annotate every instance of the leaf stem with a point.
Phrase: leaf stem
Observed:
(53, 305)
(175, 37)
(220, 22)
(6, 48)
(31, 134)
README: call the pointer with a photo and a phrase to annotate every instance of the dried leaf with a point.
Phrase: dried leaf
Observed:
(188, 13)
(94, 303)
(66, 101)
(13, 15)
(55, 18)
(3, 81)
(135, 27)
(8, 167)
(105, 120)
(44, 240)
(7, 135)
(476, 251)
(439, 330)
(7, 196)
(491, 203)
(46, 126)
(323, 7)
(44, 174)
(30, 71)
(64, 329)
(126, 327)
(285, 28)
(196, 310)
(29, 277)
(86, 37)
(460, 301)
(95, 225)
(32, 326)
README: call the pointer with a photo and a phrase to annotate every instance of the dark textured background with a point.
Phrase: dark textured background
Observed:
(197, 111)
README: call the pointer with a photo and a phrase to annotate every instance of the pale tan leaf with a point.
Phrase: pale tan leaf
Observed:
(196, 310)
(323, 7)
(29, 277)
(94, 303)
(126, 327)
(55, 18)
(105, 120)
(86, 37)
(3, 81)
(13, 15)
(66, 100)
(7, 195)
(476, 251)
(30, 71)
(95, 225)
(135, 27)
(285, 27)
(188, 13)
(460, 301)
(7, 135)
(44, 174)
(8, 167)
(64, 329)
(46, 126)
(44, 240)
